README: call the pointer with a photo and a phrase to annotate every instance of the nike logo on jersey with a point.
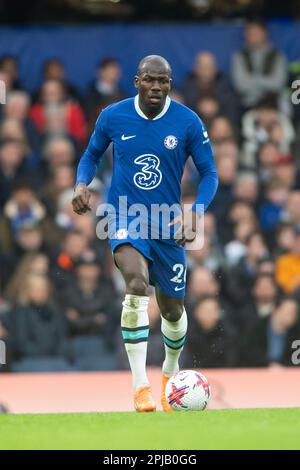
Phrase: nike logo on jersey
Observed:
(179, 288)
(126, 137)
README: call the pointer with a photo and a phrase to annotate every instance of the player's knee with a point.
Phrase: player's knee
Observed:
(137, 285)
(173, 314)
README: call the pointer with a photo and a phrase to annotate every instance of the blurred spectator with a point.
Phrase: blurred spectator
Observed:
(237, 211)
(74, 246)
(208, 255)
(288, 266)
(208, 108)
(86, 227)
(62, 179)
(258, 68)
(246, 187)
(24, 210)
(241, 277)
(266, 265)
(58, 151)
(286, 172)
(9, 65)
(265, 124)
(227, 170)
(17, 108)
(206, 78)
(54, 69)
(30, 263)
(5, 78)
(13, 130)
(221, 130)
(269, 342)
(13, 166)
(65, 217)
(272, 207)
(105, 90)
(201, 282)
(38, 329)
(262, 303)
(292, 208)
(87, 301)
(54, 104)
(266, 160)
(28, 239)
(211, 340)
(285, 239)
(235, 250)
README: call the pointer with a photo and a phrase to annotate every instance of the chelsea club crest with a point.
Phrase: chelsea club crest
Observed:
(170, 142)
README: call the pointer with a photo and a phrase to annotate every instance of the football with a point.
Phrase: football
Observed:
(188, 390)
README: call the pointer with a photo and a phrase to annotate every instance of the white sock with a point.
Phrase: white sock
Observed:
(135, 332)
(174, 339)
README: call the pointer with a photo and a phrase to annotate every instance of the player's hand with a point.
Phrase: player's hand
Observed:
(81, 199)
(188, 228)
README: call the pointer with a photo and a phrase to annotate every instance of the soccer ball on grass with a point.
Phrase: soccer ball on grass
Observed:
(188, 390)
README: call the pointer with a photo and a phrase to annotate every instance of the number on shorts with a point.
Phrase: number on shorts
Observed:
(180, 273)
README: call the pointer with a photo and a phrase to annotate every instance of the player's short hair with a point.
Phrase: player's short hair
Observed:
(154, 58)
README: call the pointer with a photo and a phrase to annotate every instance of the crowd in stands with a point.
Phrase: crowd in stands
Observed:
(60, 292)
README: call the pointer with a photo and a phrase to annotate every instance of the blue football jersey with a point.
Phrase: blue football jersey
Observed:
(149, 155)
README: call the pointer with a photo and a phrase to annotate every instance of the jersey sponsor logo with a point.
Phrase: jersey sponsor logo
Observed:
(150, 176)
(171, 142)
(126, 137)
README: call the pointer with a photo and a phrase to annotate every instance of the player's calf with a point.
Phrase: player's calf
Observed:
(135, 332)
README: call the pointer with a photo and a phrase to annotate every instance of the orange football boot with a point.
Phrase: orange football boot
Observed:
(143, 401)
(164, 402)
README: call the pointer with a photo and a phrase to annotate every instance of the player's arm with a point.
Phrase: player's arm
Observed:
(88, 165)
(199, 148)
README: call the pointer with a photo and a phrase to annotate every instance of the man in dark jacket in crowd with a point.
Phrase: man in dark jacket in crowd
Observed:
(211, 339)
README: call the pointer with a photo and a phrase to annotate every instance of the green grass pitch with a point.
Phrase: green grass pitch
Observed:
(212, 429)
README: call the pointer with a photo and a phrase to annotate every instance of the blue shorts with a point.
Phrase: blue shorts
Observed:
(167, 268)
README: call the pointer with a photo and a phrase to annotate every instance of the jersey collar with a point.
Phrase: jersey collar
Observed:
(161, 114)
